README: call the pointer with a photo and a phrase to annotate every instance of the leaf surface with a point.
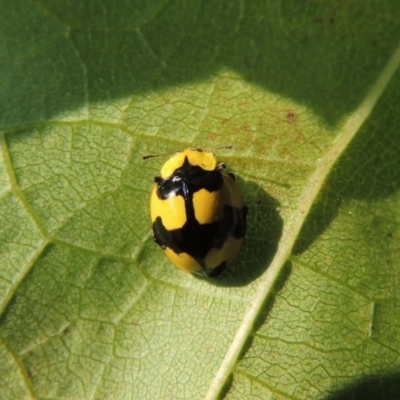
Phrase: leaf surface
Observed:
(306, 93)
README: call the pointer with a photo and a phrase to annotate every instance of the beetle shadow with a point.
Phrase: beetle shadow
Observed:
(264, 230)
(371, 387)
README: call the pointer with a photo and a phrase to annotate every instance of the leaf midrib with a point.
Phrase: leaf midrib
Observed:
(349, 128)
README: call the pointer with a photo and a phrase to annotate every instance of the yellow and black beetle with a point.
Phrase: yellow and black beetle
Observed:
(197, 213)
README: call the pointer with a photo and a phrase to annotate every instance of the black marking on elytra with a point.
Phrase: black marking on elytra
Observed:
(216, 271)
(194, 238)
(188, 179)
(240, 226)
(198, 239)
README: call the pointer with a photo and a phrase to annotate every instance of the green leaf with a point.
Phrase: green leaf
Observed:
(307, 94)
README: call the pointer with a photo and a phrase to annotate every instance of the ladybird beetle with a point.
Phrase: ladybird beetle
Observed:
(197, 212)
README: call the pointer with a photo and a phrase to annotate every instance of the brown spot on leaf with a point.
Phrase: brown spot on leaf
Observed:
(291, 116)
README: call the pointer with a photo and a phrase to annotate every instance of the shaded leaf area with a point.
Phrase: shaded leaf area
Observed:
(334, 327)
(90, 307)
(61, 56)
(371, 387)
